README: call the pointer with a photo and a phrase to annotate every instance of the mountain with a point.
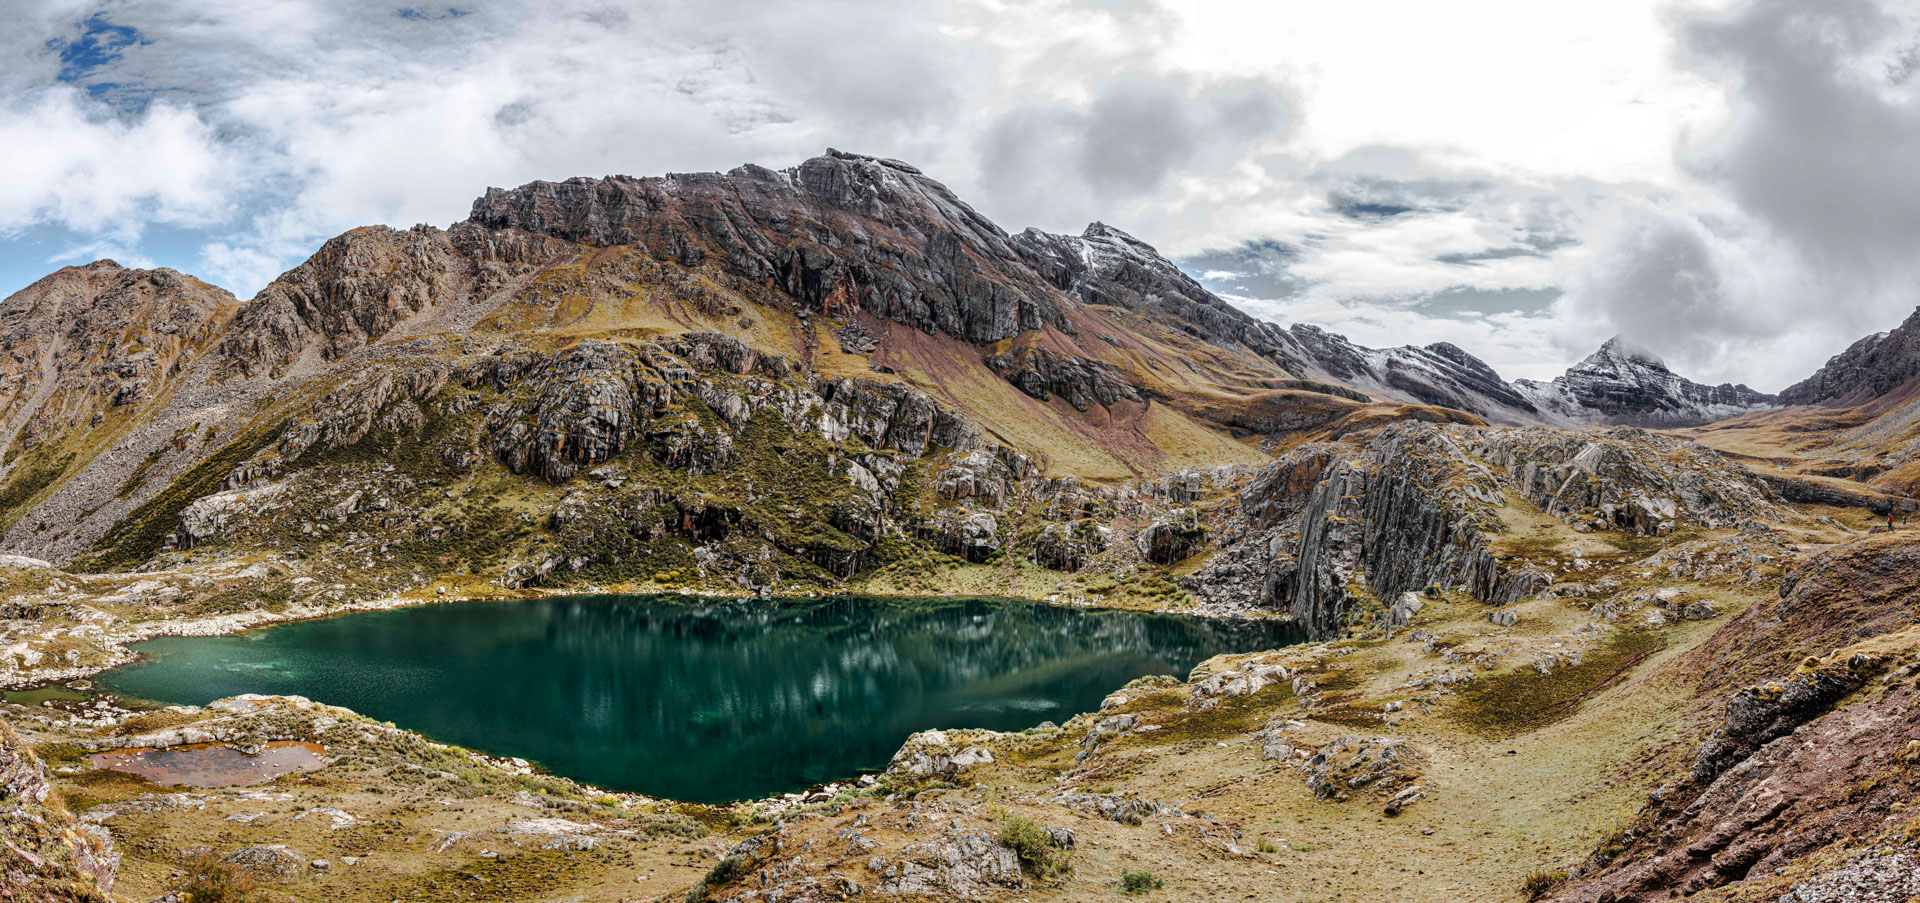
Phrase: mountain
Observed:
(1440, 374)
(1624, 384)
(839, 378)
(1851, 431)
(1869, 368)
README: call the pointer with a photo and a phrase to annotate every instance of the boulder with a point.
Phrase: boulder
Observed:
(1173, 537)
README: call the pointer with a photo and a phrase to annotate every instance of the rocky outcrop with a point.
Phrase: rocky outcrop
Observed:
(1623, 384)
(1413, 511)
(974, 536)
(1070, 547)
(1172, 538)
(1626, 479)
(208, 516)
(1083, 383)
(958, 865)
(1869, 368)
(44, 854)
(364, 283)
(580, 408)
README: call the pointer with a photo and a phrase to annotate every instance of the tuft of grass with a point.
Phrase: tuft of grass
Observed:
(1539, 884)
(1139, 882)
(1524, 700)
(211, 881)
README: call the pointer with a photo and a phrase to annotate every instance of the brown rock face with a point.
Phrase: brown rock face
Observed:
(97, 337)
(362, 284)
(1792, 767)
(839, 233)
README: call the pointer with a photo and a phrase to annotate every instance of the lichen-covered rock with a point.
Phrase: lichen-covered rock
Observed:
(1069, 547)
(1173, 537)
(272, 861)
(1349, 764)
(1626, 479)
(580, 409)
(44, 854)
(207, 516)
(974, 536)
(941, 754)
(959, 864)
(889, 415)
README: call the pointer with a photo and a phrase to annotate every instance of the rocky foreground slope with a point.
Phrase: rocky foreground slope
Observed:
(840, 378)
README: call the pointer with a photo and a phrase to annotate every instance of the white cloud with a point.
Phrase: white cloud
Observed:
(80, 168)
(1741, 169)
(1795, 236)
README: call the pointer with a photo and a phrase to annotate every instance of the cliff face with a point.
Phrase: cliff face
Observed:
(1869, 368)
(46, 856)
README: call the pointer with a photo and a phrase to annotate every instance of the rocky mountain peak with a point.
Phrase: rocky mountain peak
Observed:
(1624, 383)
(1869, 368)
(1620, 348)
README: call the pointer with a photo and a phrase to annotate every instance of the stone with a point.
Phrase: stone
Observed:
(1700, 610)
(270, 860)
(1406, 797)
(959, 864)
(1404, 608)
(1172, 537)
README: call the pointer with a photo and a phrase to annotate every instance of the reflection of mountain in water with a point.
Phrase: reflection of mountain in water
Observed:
(701, 699)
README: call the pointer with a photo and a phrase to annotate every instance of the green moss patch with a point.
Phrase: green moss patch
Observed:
(1525, 700)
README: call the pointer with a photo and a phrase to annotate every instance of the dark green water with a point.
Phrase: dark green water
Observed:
(697, 699)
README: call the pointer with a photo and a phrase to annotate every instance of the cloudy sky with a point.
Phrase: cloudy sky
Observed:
(1734, 184)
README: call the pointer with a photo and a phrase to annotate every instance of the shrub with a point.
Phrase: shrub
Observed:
(1139, 882)
(1033, 844)
(727, 871)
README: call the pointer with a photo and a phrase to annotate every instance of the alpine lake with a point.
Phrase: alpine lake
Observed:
(693, 698)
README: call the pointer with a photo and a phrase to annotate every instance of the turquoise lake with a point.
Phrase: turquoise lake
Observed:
(697, 699)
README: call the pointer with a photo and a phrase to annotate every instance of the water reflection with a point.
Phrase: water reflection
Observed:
(697, 699)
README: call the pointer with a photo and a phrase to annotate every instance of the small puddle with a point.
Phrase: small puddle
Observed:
(214, 764)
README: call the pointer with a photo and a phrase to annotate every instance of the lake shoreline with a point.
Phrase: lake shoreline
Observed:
(131, 632)
(698, 698)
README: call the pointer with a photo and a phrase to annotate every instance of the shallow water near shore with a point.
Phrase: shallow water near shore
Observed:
(697, 699)
(214, 764)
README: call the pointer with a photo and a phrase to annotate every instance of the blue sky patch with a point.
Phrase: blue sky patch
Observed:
(417, 14)
(100, 44)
